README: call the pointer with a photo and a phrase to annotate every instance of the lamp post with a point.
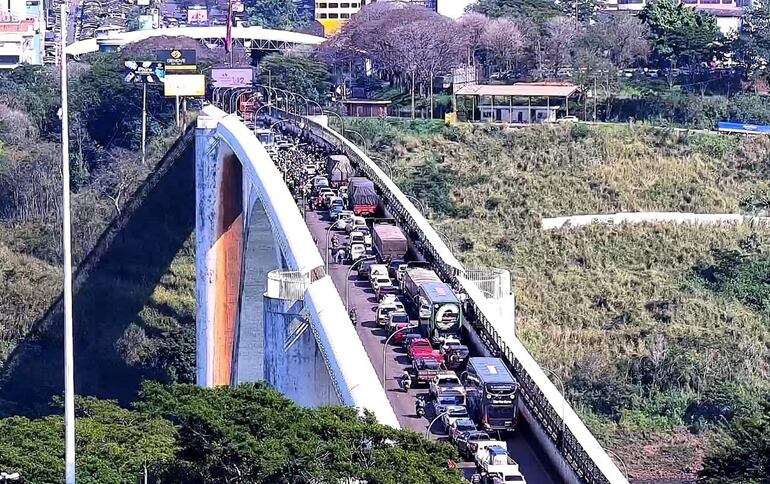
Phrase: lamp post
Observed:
(342, 121)
(563, 402)
(347, 278)
(417, 201)
(363, 140)
(385, 348)
(625, 469)
(447, 239)
(383, 164)
(328, 231)
(427, 431)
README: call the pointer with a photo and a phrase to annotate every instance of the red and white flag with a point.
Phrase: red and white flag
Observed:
(229, 36)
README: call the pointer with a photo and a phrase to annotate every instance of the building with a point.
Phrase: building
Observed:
(22, 32)
(366, 108)
(727, 12)
(333, 14)
(452, 8)
(514, 103)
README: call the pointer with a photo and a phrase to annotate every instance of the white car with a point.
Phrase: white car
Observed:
(379, 281)
(385, 308)
(355, 224)
(357, 251)
(357, 237)
(342, 219)
(377, 269)
(397, 318)
(367, 236)
(446, 380)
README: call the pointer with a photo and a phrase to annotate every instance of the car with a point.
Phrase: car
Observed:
(408, 338)
(328, 197)
(357, 251)
(343, 217)
(424, 369)
(386, 291)
(367, 236)
(455, 354)
(378, 281)
(385, 308)
(419, 348)
(451, 409)
(357, 237)
(364, 268)
(467, 442)
(379, 269)
(337, 203)
(397, 318)
(568, 119)
(397, 268)
(445, 381)
(460, 426)
(355, 223)
(400, 337)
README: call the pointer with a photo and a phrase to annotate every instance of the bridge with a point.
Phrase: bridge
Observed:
(268, 307)
(248, 37)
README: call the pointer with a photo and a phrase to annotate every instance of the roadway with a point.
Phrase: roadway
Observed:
(360, 297)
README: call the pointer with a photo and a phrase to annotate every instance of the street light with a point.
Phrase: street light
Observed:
(342, 121)
(427, 431)
(563, 402)
(347, 279)
(417, 201)
(328, 231)
(625, 469)
(447, 239)
(385, 348)
(363, 140)
(383, 164)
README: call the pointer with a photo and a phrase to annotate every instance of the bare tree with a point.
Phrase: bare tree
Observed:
(16, 127)
(559, 40)
(504, 40)
(471, 27)
(440, 51)
(120, 178)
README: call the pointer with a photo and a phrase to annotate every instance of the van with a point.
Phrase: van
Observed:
(378, 269)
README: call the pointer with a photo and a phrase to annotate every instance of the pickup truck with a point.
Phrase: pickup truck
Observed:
(467, 442)
(424, 369)
(494, 463)
(420, 348)
(459, 427)
(444, 381)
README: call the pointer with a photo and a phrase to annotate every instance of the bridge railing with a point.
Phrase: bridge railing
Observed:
(578, 446)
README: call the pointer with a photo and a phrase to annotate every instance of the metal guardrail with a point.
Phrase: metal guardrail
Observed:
(579, 447)
(287, 285)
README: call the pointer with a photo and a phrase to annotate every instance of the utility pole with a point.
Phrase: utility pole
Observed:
(596, 98)
(144, 123)
(69, 360)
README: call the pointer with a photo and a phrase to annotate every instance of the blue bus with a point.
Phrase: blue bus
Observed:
(491, 394)
(747, 128)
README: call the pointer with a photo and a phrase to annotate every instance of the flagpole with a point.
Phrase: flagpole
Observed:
(229, 40)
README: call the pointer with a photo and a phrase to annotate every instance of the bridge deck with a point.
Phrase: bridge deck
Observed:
(520, 444)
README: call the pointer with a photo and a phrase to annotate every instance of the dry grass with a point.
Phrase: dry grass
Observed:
(644, 345)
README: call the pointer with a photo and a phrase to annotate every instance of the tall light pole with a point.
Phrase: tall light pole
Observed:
(563, 402)
(417, 201)
(385, 348)
(342, 121)
(427, 431)
(447, 239)
(382, 163)
(347, 278)
(69, 359)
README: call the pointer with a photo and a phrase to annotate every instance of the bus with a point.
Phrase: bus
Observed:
(491, 393)
(440, 311)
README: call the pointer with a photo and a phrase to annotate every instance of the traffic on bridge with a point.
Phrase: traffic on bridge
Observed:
(410, 321)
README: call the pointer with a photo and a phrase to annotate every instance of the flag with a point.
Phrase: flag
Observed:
(229, 36)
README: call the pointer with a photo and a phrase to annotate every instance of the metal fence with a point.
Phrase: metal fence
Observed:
(287, 285)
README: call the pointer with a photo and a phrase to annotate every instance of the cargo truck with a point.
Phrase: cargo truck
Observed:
(389, 242)
(439, 311)
(362, 196)
(339, 170)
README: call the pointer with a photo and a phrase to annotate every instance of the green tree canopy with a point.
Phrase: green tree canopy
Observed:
(536, 10)
(253, 432)
(681, 35)
(275, 14)
(753, 43)
(297, 74)
(113, 444)
(741, 452)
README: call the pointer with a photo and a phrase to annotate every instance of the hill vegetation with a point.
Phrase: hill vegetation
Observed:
(659, 332)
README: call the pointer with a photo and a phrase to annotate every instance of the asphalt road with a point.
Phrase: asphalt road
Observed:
(360, 297)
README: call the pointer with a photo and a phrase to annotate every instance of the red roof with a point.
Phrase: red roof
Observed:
(522, 89)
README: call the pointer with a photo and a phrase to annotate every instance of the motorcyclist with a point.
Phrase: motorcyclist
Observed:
(353, 316)
(406, 381)
(335, 241)
(419, 406)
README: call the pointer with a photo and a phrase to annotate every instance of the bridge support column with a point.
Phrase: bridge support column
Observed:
(293, 362)
(219, 253)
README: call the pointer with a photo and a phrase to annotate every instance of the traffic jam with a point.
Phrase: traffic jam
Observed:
(471, 400)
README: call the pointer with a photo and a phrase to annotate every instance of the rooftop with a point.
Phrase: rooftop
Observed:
(522, 89)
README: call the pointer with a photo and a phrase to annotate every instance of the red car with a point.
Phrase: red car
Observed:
(400, 336)
(421, 348)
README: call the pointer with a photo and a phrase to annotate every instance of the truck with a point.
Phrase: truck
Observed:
(413, 279)
(424, 370)
(362, 196)
(389, 242)
(495, 465)
(339, 169)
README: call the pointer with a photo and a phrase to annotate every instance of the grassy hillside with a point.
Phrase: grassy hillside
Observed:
(659, 332)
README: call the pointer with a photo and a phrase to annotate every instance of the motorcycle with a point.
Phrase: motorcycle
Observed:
(352, 315)
(419, 406)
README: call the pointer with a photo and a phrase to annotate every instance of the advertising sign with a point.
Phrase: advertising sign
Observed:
(232, 76)
(238, 6)
(185, 85)
(177, 59)
(197, 16)
(144, 72)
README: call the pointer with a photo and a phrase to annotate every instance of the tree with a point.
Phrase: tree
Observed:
(471, 27)
(536, 10)
(741, 451)
(681, 35)
(559, 42)
(275, 14)
(113, 444)
(297, 74)
(253, 434)
(504, 40)
(753, 43)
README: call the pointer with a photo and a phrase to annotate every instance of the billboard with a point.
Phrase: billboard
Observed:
(144, 72)
(197, 16)
(177, 59)
(184, 85)
(232, 76)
